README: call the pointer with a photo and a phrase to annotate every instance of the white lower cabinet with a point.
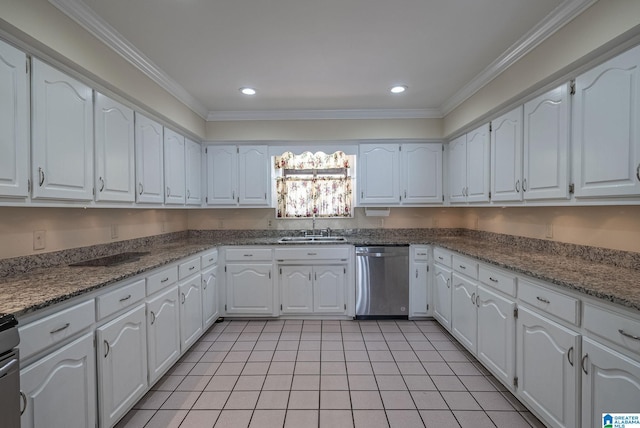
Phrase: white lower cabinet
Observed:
(249, 288)
(60, 389)
(442, 295)
(163, 332)
(328, 289)
(610, 383)
(464, 314)
(496, 333)
(296, 289)
(122, 364)
(210, 310)
(419, 282)
(547, 361)
(190, 311)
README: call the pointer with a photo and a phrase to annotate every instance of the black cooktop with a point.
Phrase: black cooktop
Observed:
(7, 321)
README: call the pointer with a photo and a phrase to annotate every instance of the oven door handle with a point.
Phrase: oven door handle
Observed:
(7, 367)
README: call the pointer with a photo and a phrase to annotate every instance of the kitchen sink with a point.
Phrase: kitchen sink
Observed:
(116, 259)
(310, 239)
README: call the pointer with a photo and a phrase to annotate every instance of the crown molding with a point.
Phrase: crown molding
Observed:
(555, 20)
(93, 23)
(219, 116)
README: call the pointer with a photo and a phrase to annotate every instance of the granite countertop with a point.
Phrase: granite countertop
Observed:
(24, 293)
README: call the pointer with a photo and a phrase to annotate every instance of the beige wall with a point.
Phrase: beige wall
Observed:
(71, 43)
(599, 24)
(338, 129)
(76, 227)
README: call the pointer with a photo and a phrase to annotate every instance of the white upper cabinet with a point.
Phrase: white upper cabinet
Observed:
(254, 175)
(174, 175)
(421, 166)
(546, 146)
(400, 174)
(238, 175)
(14, 123)
(62, 143)
(506, 156)
(379, 174)
(149, 161)
(193, 165)
(115, 151)
(606, 128)
(469, 166)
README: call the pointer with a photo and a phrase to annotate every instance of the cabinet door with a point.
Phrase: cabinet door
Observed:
(149, 160)
(249, 288)
(190, 311)
(115, 151)
(546, 146)
(379, 174)
(547, 364)
(442, 295)
(62, 143)
(193, 155)
(14, 123)
(222, 173)
(60, 388)
(478, 174)
(210, 309)
(419, 290)
(458, 169)
(464, 320)
(506, 157)
(296, 289)
(496, 334)
(163, 332)
(122, 364)
(422, 173)
(254, 180)
(610, 383)
(329, 289)
(606, 128)
(174, 172)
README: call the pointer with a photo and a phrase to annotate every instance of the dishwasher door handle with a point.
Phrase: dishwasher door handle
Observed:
(380, 255)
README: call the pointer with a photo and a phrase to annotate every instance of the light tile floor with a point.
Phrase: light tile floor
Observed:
(291, 373)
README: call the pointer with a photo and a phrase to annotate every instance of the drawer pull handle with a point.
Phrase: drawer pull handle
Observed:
(570, 356)
(58, 330)
(518, 186)
(248, 255)
(124, 299)
(624, 333)
(422, 254)
(153, 317)
(24, 403)
(492, 279)
(183, 298)
(416, 273)
(478, 301)
(312, 254)
(473, 298)
(448, 286)
(107, 348)
(102, 183)
(141, 187)
(462, 267)
(164, 280)
(41, 176)
(543, 300)
(582, 363)
(211, 259)
(204, 284)
(440, 258)
(192, 268)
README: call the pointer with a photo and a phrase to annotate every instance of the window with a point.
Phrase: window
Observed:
(314, 185)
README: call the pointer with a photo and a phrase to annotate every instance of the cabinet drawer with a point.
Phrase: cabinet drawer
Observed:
(442, 256)
(162, 279)
(188, 268)
(465, 266)
(244, 254)
(421, 253)
(312, 253)
(559, 305)
(41, 334)
(209, 259)
(612, 326)
(499, 280)
(118, 299)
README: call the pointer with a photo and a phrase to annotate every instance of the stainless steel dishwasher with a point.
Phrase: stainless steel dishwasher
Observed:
(382, 282)
(9, 372)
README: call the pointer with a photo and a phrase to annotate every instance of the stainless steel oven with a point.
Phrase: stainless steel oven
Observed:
(9, 372)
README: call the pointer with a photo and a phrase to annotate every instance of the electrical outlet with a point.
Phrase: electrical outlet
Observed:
(114, 231)
(269, 224)
(549, 231)
(39, 239)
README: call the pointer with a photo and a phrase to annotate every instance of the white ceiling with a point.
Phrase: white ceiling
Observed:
(322, 56)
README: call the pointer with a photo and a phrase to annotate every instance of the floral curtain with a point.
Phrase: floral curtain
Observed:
(313, 194)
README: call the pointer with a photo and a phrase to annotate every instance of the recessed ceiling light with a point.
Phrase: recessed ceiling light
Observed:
(399, 89)
(248, 91)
